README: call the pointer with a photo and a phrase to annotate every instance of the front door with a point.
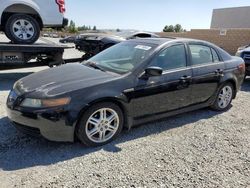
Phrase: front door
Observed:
(167, 92)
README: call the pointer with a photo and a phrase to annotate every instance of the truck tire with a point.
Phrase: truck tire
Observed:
(22, 29)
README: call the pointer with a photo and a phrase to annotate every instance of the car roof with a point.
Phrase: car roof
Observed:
(160, 41)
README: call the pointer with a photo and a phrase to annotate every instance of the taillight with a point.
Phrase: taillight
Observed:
(61, 4)
(242, 67)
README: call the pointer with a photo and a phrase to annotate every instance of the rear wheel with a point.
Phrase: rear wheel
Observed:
(100, 124)
(22, 29)
(224, 97)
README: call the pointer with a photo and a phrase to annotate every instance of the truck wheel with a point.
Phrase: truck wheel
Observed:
(22, 29)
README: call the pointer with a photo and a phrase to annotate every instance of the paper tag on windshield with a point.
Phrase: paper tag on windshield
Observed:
(142, 47)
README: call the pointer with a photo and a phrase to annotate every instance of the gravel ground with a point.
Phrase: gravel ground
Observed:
(197, 149)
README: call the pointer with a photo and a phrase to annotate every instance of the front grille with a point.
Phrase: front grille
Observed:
(246, 55)
(27, 130)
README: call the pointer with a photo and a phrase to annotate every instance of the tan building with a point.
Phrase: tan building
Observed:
(230, 29)
(230, 18)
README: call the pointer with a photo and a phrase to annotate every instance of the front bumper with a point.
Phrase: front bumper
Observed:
(248, 68)
(51, 126)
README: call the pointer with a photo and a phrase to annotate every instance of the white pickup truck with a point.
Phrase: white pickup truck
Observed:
(22, 20)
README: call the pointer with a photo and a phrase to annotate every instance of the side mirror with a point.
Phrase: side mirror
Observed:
(152, 71)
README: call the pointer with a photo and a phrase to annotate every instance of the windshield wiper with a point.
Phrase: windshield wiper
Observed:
(94, 65)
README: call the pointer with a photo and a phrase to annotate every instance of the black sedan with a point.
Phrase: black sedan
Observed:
(70, 39)
(94, 43)
(130, 83)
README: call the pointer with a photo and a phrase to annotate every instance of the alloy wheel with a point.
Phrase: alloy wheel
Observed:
(102, 125)
(225, 97)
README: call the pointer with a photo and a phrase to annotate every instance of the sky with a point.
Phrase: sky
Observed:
(148, 15)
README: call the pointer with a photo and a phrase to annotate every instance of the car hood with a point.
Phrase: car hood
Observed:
(61, 80)
(247, 49)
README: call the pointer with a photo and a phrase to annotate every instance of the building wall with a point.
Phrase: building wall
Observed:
(230, 42)
(238, 17)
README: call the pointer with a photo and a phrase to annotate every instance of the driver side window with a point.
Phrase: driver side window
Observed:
(172, 57)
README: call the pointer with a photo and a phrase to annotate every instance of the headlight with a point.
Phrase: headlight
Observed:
(41, 103)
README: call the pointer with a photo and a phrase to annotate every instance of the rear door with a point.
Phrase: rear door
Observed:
(207, 71)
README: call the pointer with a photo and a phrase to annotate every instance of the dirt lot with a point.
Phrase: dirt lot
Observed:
(198, 149)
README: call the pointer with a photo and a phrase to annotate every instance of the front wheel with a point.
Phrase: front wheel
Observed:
(224, 97)
(100, 124)
(22, 29)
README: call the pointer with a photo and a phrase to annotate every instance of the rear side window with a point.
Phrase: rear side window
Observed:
(200, 54)
(172, 57)
(215, 56)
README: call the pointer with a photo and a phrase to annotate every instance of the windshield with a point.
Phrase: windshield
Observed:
(121, 58)
(125, 34)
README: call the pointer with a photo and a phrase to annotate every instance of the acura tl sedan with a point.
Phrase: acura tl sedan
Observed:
(131, 83)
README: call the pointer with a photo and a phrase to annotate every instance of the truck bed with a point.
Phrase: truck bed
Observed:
(38, 47)
(39, 54)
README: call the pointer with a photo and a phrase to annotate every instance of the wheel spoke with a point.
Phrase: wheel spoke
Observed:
(25, 36)
(221, 103)
(103, 114)
(31, 33)
(226, 91)
(111, 118)
(101, 135)
(94, 121)
(22, 23)
(93, 132)
(111, 128)
(18, 33)
(16, 26)
(29, 26)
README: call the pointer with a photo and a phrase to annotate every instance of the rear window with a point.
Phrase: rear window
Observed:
(224, 55)
(200, 54)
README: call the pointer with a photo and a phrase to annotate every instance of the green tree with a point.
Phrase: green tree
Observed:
(178, 28)
(169, 28)
(83, 28)
(94, 28)
(118, 30)
(72, 27)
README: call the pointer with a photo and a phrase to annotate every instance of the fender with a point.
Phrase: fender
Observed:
(230, 77)
(107, 96)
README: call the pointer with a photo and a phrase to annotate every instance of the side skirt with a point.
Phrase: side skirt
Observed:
(159, 116)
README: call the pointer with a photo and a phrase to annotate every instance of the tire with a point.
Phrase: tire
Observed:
(93, 130)
(22, 29)
(7, 35)
(224, 97)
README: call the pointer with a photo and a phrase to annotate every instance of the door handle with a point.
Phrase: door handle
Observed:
(219, 72)
(185, 79)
